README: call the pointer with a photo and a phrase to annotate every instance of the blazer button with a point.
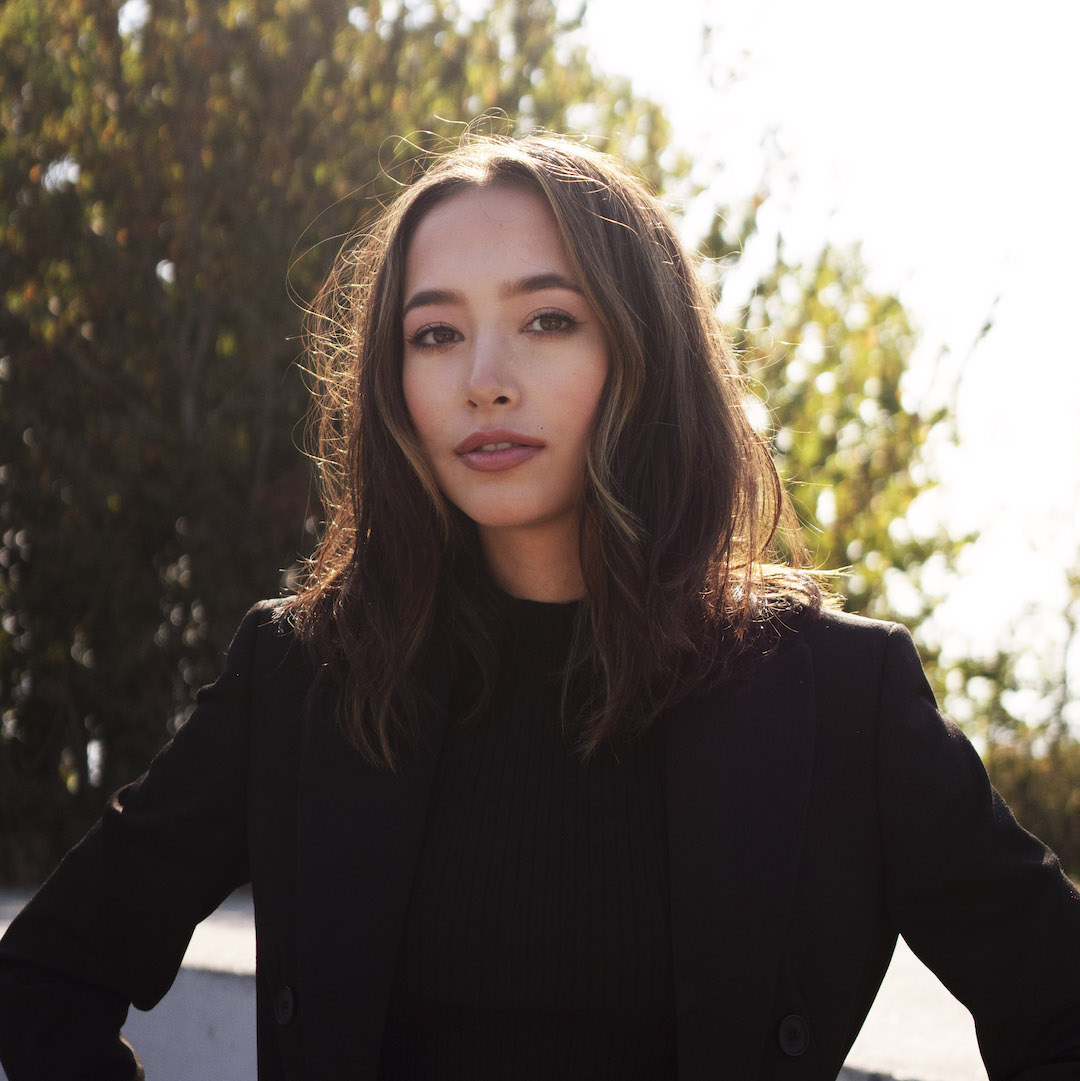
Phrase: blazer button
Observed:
(794, 1035)
(284, 1006)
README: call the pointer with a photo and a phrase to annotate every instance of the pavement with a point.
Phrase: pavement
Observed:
(204, 1028)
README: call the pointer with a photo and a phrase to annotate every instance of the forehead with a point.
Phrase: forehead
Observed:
(493, 229)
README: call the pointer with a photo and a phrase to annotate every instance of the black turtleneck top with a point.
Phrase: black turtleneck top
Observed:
(537, 939)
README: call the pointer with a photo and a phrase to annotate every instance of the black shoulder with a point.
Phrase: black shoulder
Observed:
(269, 615)
(260, 617)
(856, 659)
(267, 643)
(827, 628)
(839, 640)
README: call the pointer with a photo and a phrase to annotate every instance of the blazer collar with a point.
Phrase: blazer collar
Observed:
(738, 782)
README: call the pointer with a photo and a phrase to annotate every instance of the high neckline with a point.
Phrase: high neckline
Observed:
(540, 630)
(544, 615)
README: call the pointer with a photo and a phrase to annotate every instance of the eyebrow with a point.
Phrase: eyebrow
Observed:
(532, 283)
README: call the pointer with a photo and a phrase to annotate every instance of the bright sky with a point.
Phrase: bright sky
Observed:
(943, 136)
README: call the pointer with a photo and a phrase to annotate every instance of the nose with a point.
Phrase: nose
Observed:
(491, 378)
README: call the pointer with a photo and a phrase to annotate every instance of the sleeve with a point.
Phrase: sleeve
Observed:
(111, 924)
(981, 901)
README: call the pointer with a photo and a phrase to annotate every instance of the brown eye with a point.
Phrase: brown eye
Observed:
(435, 335)
(551, 322)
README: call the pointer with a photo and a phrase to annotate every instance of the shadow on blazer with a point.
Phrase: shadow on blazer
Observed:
(816, 809)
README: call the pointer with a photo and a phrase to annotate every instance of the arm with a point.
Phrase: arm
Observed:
(981, 901)
(111, 925)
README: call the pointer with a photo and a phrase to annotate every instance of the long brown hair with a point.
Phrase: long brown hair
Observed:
(683, 508)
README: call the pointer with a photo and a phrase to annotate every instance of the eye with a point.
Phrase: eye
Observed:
(434, 335)
(552, 321)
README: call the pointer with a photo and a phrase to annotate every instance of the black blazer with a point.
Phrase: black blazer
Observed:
(815, 809)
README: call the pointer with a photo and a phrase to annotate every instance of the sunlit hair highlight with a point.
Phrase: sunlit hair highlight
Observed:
(684, 517)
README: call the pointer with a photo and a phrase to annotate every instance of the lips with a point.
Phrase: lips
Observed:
(497, 449)
(495, 439)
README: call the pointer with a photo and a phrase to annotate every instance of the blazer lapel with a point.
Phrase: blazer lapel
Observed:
(738, 780)
(359, 834)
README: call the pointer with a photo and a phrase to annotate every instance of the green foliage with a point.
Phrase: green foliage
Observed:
(1042, 786)
(1035, 766)
(828, 358)
(154, 181)
(1021, 707)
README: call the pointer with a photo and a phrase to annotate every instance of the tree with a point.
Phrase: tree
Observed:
(159, 164)
(1021, 706)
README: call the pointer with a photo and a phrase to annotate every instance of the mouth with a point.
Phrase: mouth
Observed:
(490, 441)
(496, 450)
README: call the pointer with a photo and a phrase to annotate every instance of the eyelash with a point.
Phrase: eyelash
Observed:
(417, 338)
(568, 323)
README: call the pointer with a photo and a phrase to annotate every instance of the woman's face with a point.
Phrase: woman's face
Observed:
(504, 360)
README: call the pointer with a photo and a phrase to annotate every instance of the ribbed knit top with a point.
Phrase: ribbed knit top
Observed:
(537, 940)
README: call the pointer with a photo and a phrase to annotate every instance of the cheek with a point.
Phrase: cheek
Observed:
(419, 401)
(424, 412)
(587, 392)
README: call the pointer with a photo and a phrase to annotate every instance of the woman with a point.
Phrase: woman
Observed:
(550, 770)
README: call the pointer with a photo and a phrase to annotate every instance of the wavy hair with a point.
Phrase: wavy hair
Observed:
(683, 510)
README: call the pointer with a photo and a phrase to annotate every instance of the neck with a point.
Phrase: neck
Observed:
(535, 564)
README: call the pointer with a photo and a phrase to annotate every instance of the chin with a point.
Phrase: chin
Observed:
(517, 517)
